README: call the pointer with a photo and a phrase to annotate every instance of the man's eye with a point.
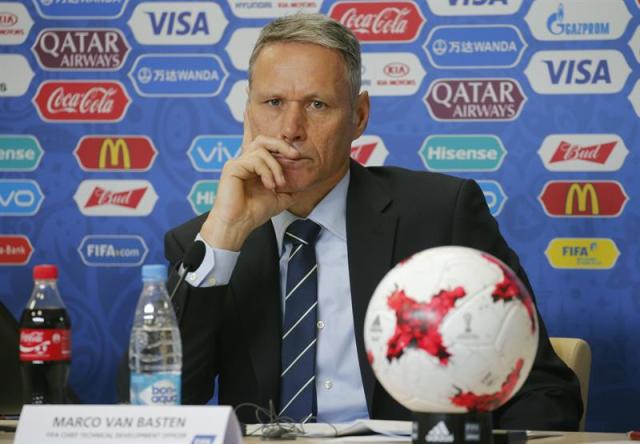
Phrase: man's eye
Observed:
(274, 102)
(316, 104)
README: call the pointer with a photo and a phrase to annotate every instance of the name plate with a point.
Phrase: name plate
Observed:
(101, 424)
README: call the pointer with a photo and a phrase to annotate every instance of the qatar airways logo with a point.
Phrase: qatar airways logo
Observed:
(583, 152)
(115, 197)
(81, 101)
(377, 22)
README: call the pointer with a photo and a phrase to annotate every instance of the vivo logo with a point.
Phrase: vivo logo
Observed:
(19, 197)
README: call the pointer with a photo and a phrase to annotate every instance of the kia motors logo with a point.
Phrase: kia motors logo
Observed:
(462, 153)
(81, 101)
(262, 9)
(391, 73)
(15, 75)
(115, 153)
(380, 21)
(178, 23)
(7, 19)
(73, 9)
(19, 153)
(591, 253)
(583, 152)
(115, 197)
(210, 153)
(15, 249)
(19, 197)
(369, 150)
(578, 72)
(475, 99)
(81, 49)
(583, 198)
(474, 7)
(113, 250)
(15, 24)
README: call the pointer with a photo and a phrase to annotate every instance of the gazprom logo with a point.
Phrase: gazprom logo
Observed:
(210, 153)
(462, 153)
(113, 250)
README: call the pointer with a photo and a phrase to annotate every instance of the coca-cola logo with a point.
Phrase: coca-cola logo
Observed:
(45, 344)
(70, 101)
(8, 19)
(372, 22)
(31, 337)
(397, 69)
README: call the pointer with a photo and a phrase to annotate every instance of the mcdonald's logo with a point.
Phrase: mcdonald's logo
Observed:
(583, 198)
(115, 153)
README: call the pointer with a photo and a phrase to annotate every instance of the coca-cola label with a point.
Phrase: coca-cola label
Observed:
(583, 152)
(81, 101)
(45, 344)
(380, 22)
(115, 197)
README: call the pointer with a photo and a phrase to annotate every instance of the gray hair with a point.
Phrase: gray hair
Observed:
(318, 30)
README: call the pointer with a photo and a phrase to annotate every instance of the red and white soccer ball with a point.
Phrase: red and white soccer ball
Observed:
(451, 330)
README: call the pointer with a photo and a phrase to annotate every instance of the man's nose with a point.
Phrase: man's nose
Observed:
(293, 123)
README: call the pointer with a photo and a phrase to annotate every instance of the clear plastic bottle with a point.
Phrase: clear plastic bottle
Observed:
(155, 347)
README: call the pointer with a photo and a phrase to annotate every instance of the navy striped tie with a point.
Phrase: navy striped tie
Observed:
(298, 359)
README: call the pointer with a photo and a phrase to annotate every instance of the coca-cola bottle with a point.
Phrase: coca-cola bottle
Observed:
(45, 341)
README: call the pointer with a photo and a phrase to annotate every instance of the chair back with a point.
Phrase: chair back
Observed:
(10, 378)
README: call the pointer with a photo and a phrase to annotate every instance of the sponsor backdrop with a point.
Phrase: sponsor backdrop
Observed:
(117, 116)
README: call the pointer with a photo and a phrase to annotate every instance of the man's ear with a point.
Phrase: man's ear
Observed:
(361, 113)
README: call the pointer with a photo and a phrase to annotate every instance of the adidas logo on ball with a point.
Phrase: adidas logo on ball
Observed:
(439, 433)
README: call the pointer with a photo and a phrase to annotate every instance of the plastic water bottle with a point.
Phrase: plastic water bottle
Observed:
(155, 348)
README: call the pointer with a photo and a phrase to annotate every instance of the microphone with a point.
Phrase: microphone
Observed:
(190, 262)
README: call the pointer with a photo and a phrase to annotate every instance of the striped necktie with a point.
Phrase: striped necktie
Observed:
(298, 358)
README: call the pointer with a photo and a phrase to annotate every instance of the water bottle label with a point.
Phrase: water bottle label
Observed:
(51, 344)
(155, 389)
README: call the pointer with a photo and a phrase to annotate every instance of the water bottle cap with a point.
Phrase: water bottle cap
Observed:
(45, 271)
(154, 272)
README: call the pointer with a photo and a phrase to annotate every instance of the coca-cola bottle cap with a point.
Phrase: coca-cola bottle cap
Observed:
(45, 271)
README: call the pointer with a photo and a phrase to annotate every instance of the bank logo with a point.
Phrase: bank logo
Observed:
(113, 250)
(64, 49)
(583, 152)
(15, 23)
(240, 47)
(583, 198)
(15, 75)
(20, 197)
(578, 72)
(369, 150)
(391, 73)
(67, 9)
(582, 253)
(237, 99)
(475, 46)
(380, 21)
(115, 153)
(19, 153)
(203, 195)
(115, 197)
(494, 195)
(475, 99)
(555, 20)
(178, 75)
(81, 101)
(462, 153)
(210, 153)
(474, 7)
(177, 23)
(15, 249)
(269, 9)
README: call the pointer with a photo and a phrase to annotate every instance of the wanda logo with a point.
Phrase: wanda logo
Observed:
(68, 101)
(374, 22)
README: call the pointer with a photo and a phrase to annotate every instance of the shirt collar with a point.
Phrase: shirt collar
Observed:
(329, 213)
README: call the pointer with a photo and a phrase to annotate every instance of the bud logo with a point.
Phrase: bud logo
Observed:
(583, 152)
(74, 9)
(475, 99)
(113, 250)
(19, 197)
(81, 49)
(475, 46)
(391, 73)
(178, 75)
(15, 23)
(369, 150)
(582, 253)
(15, 75)
(15, 250)
(203, 195)
(583, 199)
(380, 21)
(262, 9)
(210, 153)
(177, 23)
(494, 195)
(19, 153)
(115, 153)
(115, 197)
(474, 7)
(577, 72)
(462, 153)
(578, 19)
(81, 101)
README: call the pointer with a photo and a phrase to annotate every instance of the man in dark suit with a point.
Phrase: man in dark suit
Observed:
(303, 111)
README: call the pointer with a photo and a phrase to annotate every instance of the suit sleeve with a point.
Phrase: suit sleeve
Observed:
(550, 398)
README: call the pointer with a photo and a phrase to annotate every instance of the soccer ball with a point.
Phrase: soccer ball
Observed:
(451, 330)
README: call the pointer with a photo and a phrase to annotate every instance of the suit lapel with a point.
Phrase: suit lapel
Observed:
(256, 296)
(370, 240)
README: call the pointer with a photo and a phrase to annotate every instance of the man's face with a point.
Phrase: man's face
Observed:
(300, 93)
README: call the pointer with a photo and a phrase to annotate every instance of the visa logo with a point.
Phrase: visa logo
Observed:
(578, 72)
(183, 23)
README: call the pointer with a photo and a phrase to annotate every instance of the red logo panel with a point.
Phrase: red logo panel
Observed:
(15, 250)
(583, 199)
(593, 153)
(45, 344)
(115, 153)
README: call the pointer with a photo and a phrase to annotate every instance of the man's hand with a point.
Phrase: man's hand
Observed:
(248, 191)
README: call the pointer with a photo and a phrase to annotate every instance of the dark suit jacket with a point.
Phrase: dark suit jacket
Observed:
(234, 331)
